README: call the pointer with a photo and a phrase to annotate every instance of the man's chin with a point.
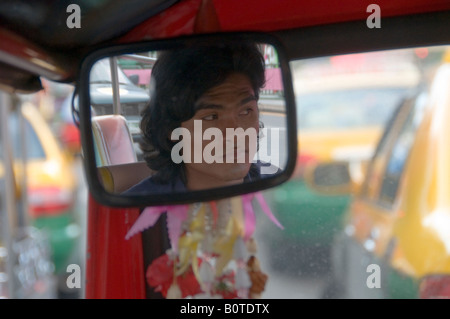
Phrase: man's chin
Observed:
(235, 171)
(223, 174)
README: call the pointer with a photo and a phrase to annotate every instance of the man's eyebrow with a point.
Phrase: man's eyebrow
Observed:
(212, 106)
(205, 106)
(248, 99)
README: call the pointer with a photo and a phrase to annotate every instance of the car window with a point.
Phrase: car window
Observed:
(399, 154)
(374, 179)
(34, 149)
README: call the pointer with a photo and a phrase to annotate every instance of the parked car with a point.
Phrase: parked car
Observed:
(397, 221)
(343, 103)
(51, 187)
(133, 98)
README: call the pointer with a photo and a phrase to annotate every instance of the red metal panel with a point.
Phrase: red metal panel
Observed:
(196, 16)
(175, 21)
(270, 15)
(23, 54)
(114, 266)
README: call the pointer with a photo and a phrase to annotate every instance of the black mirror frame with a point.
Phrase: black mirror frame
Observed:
(116, 200)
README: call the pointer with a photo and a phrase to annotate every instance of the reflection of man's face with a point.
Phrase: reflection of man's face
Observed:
(232, 105)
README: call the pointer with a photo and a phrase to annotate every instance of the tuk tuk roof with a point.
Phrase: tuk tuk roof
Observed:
(37, 41)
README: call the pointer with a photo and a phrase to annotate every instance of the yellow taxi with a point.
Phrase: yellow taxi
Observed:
(51, 184)
(343, 104)
(395, 239)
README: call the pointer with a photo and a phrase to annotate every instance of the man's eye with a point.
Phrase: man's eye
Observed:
(247, 111)
(210, 117)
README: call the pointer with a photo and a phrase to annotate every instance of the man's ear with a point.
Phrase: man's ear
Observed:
(261, 126)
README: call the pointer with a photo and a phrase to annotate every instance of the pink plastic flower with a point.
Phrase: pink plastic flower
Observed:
(160, 276)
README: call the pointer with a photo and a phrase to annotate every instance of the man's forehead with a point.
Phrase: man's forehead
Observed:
(228, 92)
(238, 88)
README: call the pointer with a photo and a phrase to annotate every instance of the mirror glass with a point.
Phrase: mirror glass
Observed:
(189, 118)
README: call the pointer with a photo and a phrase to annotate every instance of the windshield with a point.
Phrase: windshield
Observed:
(352, 108)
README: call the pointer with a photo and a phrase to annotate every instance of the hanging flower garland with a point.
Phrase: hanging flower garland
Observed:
(205, 238)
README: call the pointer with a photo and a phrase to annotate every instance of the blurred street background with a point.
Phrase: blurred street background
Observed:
(343, 105)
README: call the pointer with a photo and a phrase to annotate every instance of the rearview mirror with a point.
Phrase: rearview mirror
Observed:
(186, 120)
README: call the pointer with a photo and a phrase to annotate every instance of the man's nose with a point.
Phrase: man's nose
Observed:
(230, 121)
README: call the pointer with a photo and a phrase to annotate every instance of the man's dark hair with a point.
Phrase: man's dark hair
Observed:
(179, 78)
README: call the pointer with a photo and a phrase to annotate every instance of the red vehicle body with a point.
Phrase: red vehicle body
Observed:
(115, 267)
